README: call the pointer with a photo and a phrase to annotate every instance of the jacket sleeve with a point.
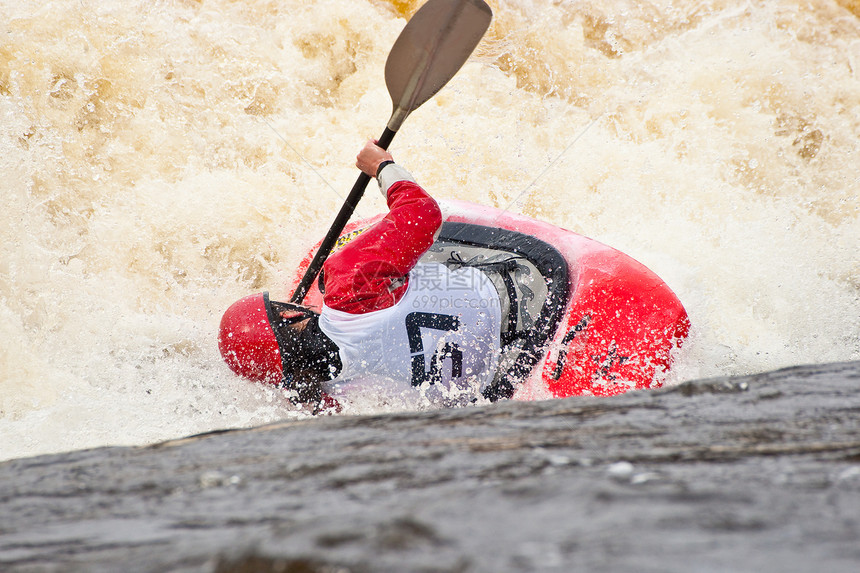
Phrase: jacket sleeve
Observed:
(370, 272)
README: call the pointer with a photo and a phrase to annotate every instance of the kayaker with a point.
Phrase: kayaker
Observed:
(389, 326)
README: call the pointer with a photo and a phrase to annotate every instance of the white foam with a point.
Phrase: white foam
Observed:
(161, 160)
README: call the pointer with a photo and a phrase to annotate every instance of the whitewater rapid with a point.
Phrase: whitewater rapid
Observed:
(163, 159)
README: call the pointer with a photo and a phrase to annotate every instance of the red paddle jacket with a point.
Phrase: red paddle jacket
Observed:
(370, 272)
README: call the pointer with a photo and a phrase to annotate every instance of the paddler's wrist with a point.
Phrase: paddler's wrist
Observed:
(390, 173)
(382, 165)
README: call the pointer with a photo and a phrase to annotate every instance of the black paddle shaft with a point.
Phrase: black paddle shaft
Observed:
(337, 227)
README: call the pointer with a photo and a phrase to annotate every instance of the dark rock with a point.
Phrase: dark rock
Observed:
(756, 473)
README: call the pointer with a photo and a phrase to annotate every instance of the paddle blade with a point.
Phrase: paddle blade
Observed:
(433, 45)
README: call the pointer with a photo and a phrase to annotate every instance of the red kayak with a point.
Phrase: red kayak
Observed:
(597, 322)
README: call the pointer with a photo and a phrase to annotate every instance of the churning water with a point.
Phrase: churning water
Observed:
(161, 159)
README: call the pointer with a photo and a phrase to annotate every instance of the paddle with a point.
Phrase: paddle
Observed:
(433, 45)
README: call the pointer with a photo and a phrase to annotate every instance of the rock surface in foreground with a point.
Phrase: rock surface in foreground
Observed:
(760, 473)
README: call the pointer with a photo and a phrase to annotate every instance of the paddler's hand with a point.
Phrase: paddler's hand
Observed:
(371, 157)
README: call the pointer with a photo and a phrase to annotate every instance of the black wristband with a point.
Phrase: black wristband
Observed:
(382, 166)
